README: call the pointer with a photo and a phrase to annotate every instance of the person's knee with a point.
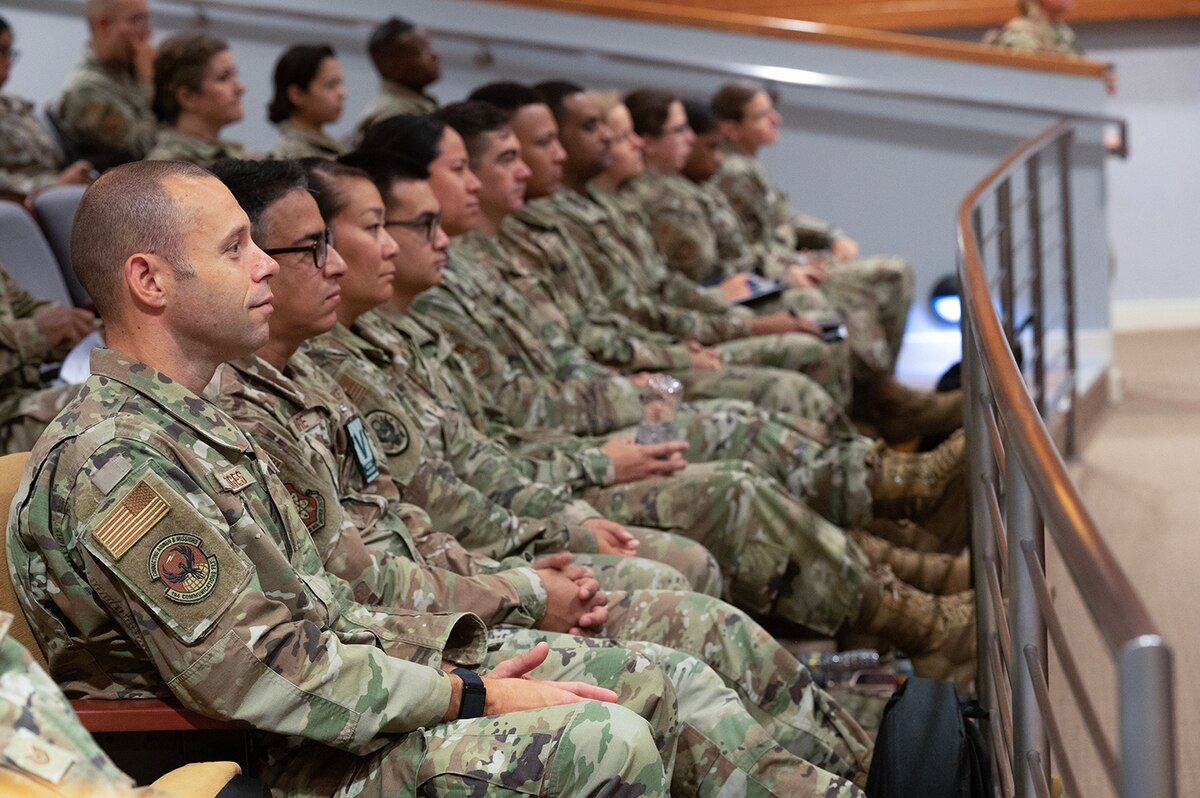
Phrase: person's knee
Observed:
(610, 750)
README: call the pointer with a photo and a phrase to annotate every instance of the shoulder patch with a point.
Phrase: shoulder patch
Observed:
(186, 572)
(391, 432)
(310, 506)
(183, 568)
(361, 445)
(41, 758)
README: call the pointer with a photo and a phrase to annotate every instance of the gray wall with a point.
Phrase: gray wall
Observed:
(891, 172)
(1154, 195)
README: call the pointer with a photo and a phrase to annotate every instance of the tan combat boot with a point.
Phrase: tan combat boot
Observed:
(911, 535)
(928, 488)
(939, 574)
(901, 413)
(937, 632)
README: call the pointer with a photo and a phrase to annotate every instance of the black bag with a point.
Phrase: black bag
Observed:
(930, 746)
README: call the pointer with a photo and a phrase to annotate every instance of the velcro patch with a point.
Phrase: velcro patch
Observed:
(134, 516)
(364, 455)
(310, 506)
(34, 755)
(390, 430)
(236, 479)
(185, 570)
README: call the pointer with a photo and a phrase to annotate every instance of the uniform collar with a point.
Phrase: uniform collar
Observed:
(199, 415)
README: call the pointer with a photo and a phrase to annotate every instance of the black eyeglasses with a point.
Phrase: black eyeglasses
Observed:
(427, 223)
(319, 249)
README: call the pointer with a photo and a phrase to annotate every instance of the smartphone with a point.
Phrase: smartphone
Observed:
(832, 330)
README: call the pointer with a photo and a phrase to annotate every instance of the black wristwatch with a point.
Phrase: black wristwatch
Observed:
(474, 694)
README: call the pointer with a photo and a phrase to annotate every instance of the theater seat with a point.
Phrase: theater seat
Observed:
(28, 257)
(55, 210)
(197, 780)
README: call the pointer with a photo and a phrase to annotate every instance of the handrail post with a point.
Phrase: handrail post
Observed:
(979, 456)
(1068, 264)
(1146, 718)
(1033, 179)
(1004, 243)
(1025, 621)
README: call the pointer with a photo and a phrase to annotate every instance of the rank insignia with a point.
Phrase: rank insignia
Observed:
(310, 506)
(390, 431)
(188, 574)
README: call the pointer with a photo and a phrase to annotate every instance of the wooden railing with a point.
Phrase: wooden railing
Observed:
(683, 13)
(925, 15)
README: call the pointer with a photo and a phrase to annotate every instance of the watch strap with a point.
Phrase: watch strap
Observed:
(474, 694)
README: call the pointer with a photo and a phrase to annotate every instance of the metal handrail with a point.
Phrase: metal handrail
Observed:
(781, 75)
(1039, 495)
(1105, 589)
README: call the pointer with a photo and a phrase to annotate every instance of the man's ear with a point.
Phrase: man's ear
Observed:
(145, 279)
(729, 129)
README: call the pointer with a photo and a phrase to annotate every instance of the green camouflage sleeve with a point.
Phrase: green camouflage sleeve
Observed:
(814, 233)
(100, 114)
(747, 196)
(23, 348)
(537, 262)
(214, 611)
(478, 522)
(42, 739)
(384, 571)
(583, 406)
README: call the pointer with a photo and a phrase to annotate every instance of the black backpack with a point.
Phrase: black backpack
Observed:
(930, 745)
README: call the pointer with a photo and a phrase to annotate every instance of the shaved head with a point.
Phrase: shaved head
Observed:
(130, 209)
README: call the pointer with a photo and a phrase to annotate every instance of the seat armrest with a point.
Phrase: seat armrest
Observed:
(143, 714)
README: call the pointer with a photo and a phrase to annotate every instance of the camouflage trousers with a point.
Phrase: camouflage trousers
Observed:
(718, 742)
(884, 286)
(773, 686)
(831, 473)
(777, 556)
(826, 364)
(586, 748)
(769, 388)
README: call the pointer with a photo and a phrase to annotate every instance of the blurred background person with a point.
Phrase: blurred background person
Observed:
(105, 109)
(197, 92)
(30, 160)
(309, 94)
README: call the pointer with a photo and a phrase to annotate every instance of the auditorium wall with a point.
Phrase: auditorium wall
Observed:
(890, 171)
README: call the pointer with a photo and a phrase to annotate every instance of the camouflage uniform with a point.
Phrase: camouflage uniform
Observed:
(637, 283)
(1033, 33)
(228, 608)
(295, 142)
(300, 419)
(698, 233)
(766, 538)
(572, 335)
(393, 100)
(175, 145)
(484, 521)
(47, 752)
(767, 220)
(29, 159)
(26, 404)
(530, 388)
(106, 111)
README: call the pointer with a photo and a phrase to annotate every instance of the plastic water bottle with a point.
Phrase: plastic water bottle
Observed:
(660, 402)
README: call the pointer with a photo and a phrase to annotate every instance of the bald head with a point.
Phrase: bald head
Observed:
(129, 210)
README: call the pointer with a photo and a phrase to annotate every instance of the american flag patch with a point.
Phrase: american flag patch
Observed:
(132, 518)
